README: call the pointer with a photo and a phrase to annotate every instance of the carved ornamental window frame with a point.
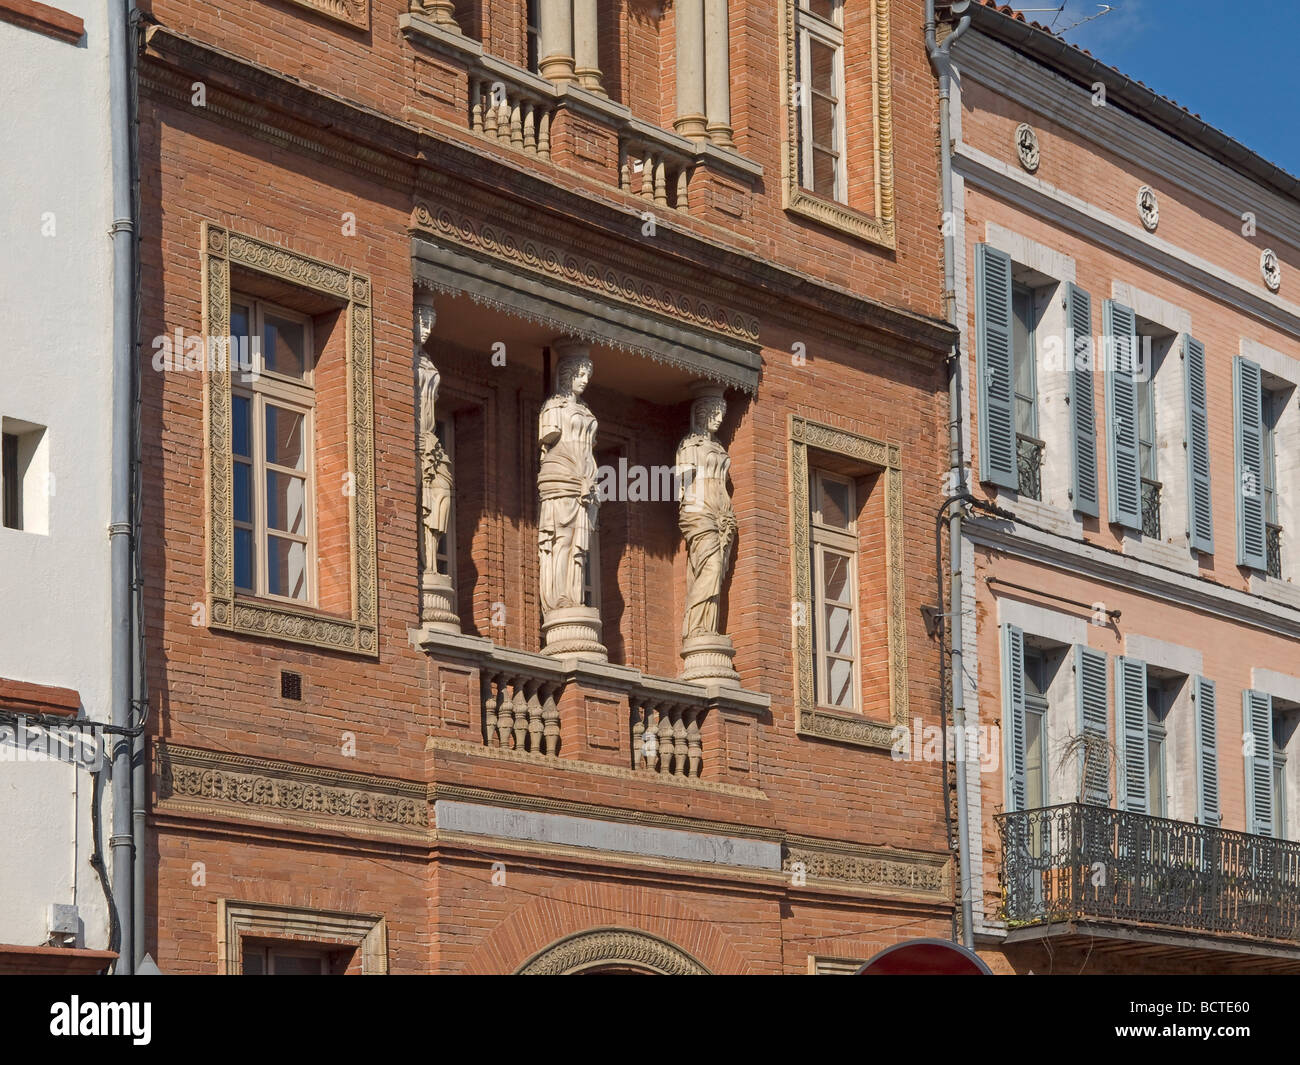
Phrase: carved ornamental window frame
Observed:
(296, 926)
(812, 720)
(878, 228)
(357, 633)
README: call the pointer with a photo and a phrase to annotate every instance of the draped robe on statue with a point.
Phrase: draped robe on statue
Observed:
(566, 486)
(708, 526)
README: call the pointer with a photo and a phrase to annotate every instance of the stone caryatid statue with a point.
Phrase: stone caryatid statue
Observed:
(437, 593)
(566, 524)
(708, 525)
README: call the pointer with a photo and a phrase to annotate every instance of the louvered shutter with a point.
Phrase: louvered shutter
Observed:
(1083, 412)
(1090, 682)
(1200, 511)
(1257, 708)
(1247, 392)
(1124, 465)
(995, 366)
(1207, 753)
(1131, 732)
(1013, 713)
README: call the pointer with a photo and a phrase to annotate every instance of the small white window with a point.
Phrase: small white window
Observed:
(24, 476)
(820, 28)
(271, 435)
(834, 536)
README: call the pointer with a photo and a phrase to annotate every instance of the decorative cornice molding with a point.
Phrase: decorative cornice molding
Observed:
(611, 947)
(355, 13)
(917, 874)
(191, 780)
(221, 249)
(813, 720)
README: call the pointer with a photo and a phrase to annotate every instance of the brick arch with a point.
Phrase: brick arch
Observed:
(575, 910)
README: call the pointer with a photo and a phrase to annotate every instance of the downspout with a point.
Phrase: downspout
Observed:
(942, 63)
(121, 843)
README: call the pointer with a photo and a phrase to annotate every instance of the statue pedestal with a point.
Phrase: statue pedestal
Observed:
(438, 603)
(706, 659)
(573, 632)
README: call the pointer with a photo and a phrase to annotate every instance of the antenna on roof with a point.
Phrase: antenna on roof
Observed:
(1106, 9)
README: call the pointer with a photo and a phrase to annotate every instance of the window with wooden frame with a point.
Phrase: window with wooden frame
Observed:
(271, 430)
(820, 28)
(290, 959)
(833, 535)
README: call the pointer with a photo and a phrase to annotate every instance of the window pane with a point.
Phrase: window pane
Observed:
(243, 491)
(241, 416)
(284, 445)
(296, 964)
(238, 320)
(254, 961)
(1035, 784)
(835, 577)
(824, 174)
(823, 123)
(835, 504)
(1156, 774)
(839, 630)
(286, 503)
(286, 568)
(839, 681)
(244, 559)
(285, 346)
(822, 62)
(824, 8)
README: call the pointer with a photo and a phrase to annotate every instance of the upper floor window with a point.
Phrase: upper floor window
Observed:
(271, 433)
(821, 98)
(1272, 404)
(1158, 704)
(1029, 447)
(1037, 683)
(534, 34)
(834, 543)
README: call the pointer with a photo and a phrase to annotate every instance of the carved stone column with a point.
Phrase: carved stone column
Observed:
(437, 593)
(717, 72)
(555, 41)
(691, 120)
(585, 46)
(568, 504)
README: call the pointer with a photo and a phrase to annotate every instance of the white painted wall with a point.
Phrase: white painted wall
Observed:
(55, 370)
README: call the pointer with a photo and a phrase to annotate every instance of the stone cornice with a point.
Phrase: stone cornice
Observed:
(1135, 575)
(875, 870)
(449, 166)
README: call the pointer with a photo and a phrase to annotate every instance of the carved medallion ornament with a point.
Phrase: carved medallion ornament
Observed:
(1148, 208)
(223, 249)
(1027, 146)
(1270, 268)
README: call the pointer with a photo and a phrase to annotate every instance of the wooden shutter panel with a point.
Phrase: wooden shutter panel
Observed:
(1124, 465)
(1090, 681)
(1258, 711)
(995, 367)
(1247, 391)
(1013, 713)
(1131, 732)
(1200, 510)
(1083, 413)
(1207, 753)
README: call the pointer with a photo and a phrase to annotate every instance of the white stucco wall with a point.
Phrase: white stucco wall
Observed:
(55, 371)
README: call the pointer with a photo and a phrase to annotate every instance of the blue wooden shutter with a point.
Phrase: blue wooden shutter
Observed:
(1090, 681)
(995, 367)
(1200, 511)
(1207, 753)
(1257, 709)
(1013, 713)
(1131, 732)
(1083, 413)
(1124, 466)
(1247, 389)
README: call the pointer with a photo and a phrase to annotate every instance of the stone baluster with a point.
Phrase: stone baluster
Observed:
(535, 720)
(694, 743)
(638, 735)
(666, 747)
(521, 716)
(490, 701)
(550, 723)
(679, 743)
(505, 717)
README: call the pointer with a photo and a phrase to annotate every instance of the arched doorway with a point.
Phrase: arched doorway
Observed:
(612, 951)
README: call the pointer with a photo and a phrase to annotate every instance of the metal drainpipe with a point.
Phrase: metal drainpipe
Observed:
(942, 63)
(121, 844)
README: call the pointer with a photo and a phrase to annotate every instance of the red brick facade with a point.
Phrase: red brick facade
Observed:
(325, 140)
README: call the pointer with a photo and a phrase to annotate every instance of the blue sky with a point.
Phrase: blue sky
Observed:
(1233, 62)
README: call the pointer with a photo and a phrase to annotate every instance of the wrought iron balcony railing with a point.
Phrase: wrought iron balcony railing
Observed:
(1029, 466)
(1151, 508)
(1274, 550)
(1075, 862)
